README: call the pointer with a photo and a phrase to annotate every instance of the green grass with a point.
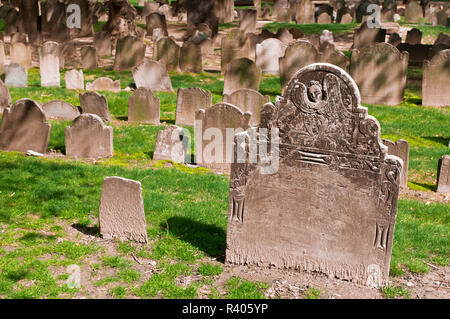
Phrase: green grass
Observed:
(391, 292)
(312, 293)
(243, 289)
(308, 29)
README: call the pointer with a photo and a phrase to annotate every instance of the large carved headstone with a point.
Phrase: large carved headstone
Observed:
(267, 54)
(152, 75)
(143, 107)
(380, 72)
(188, 102)
(24, 128)
(436, 79)
(248, 100)
(330, 204)
(130, 52)
(241, 74)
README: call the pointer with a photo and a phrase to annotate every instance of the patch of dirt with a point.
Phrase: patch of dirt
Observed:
(425, 196)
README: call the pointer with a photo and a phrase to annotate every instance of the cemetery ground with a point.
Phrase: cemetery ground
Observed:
(49, 212)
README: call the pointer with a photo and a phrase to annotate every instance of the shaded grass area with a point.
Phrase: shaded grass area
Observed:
(308, 29)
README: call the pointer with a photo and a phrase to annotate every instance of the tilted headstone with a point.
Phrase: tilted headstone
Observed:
(436, 79)
(152, 75)
(74, 80)
(188, 102)
(248, 100)
(130, 52)
(103, 84)
(49, 54)
(191, 58)
(15, 76)
(443, 175)
(144, 107)
(214, 130)
(235, 45)
(304, 213)
(400, 149)
(89, 137)
(414, 36)
(102, 43)
(305, 12)
(241, 74)
(296, 56)
(60, 110)
(5, 97)
(413, 12)
(94, 103)
(365, 36)
(167, 51)
(88, 57)
(247, 20)
(380, 72)
(121, 213)
(21, 54)
(267, 54)
(24, 128)
(169, 145)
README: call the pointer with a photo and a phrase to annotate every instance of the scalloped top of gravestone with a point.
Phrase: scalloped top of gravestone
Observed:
(94, 103)
(103, 84)
(413, 12)
(414, 36)
(436, 77)
(5, 97)
(225, 120)
(88, 57)
(60, 110)
(167, 51)
(188, 102)
(144, 107)
(130, 52)
(267, 54)
(247, 20)
(152, 75)
(24, 128)
(49, 54)
(344, 160)
(400, 149)
(169, 145)
(380, 72)
(121, 213)
(89, 137)
(15, 76)
(74, 80)
(191, 58)
(305, 12)
(103, 44)
(155, 20)
(241, 73)
(249, 101)
(443, 175)
(21, 53)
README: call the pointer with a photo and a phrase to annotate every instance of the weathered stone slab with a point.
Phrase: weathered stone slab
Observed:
(144, 107)
(247, 20)
(60, 110)
(241, 74)
(235, 45)
(24, 128)
(443, 175)
(167, 51)
(102, 43)
(16, 76)
(413, 12)
(49, 54)
(21, 54)
(74, 80)
(365, 36)
(304, 213)
(250, 101)
(5, 97)
(400, 149)
(89, 137)
(156, 21)
(191, 58)
(169, 145)
(436, 79)
(121, 213)
(188, 102)
(380, 72)
(214, 130)
(152, 75)
(94, 103)
(130, 52)
(103, 84)
(88, 57)
(305, 12)
(267, 54)
(414, 36)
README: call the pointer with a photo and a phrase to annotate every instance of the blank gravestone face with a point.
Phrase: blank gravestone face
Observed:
(104, 84)
(247, 20)
(267, 54)
(167, 51)
(89, 137)
(330, 206)
(401, 150)
(241, 74)
(24, 127)
(130, 52)
(413, 12)
(191, 58)
(414, 36)
(16, 76)
(234, 45)
(248, 100)
(88, 57)
(143, 107)
(443, 178)
(60, 110)
(21, 54)
(214, 130)
(188, 102)
(380, 73)
(436, 79)
(74, 80)
(152, 75)
(169, 145)
(121, 212)
(94, 103)
(102, 43)
(49, 64)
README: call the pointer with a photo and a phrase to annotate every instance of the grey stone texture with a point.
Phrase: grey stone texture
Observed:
(443, 176)
(188, 102)
(95, 103)
(60, 110)
(436, 79)
(144, 107)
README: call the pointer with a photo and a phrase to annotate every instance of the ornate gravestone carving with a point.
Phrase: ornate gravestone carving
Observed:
(331, 204)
